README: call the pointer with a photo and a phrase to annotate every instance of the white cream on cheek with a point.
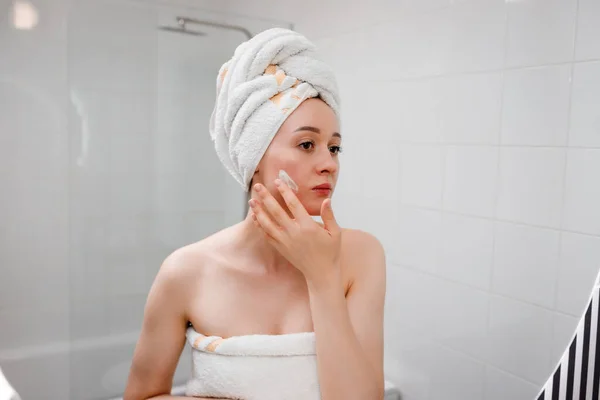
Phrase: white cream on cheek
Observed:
(289, 181)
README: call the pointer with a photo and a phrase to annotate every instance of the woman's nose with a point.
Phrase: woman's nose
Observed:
(327, 162)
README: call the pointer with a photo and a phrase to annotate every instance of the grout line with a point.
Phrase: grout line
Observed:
(477, 72)
(492, 219)
(489, 145)
(483, 362)
(412, 268)
(564, 180)
(564, 177)
(385, 21)
(575, 34)
(70, 182)
(469, 356)
(488, 321)
(441, 241)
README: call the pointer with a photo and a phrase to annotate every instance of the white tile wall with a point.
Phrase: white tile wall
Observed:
(476, 35)
(535, 106)
(471, 180)
(585, 119)
(381, 175)
(380, 212)
(578, 269)
(424, 99)
(467, 250)
(404, 58)
(501, 385)
(461, 96)
(461, 316)
(421, 175)
(540, 32)
(587, 45)
(582, 192)
(412, 298)
(563, 332)
(408, 358)
(531, 185)
(417, 236)
(526, 263)
(445, 386)
(520, 339)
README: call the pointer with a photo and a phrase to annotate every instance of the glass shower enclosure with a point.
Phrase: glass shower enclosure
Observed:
(110, 166)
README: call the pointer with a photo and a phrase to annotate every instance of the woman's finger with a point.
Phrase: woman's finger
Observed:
(265, 222)
(292, 201)
(273, 208)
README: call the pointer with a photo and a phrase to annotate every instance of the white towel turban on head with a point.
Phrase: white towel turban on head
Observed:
(267, 78)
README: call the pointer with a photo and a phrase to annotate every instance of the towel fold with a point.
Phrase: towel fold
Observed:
(257, 367)
(267, 78)
(254, 367)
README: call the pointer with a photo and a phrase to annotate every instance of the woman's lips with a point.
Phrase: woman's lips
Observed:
(322, 192)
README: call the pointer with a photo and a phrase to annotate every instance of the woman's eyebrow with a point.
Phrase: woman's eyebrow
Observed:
(316, 130)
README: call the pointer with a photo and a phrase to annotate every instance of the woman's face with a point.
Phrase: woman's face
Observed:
(306, 147)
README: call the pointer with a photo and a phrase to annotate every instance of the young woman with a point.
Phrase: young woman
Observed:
(277, 278)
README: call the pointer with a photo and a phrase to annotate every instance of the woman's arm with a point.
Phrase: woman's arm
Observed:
(349, 332)
(162, 337)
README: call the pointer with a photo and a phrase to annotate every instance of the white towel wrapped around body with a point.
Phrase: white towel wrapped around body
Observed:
(257, 367)
(254, 367)
(267, 78)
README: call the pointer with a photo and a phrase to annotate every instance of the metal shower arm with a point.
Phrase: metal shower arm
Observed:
(185, 20)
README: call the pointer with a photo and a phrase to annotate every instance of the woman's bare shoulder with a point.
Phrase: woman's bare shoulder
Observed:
(189, 261)
(357, 236)
(360, 246)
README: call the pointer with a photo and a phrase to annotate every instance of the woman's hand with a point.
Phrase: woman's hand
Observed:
(308, 246)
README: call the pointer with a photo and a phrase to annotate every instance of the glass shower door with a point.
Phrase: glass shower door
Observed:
(145, 179)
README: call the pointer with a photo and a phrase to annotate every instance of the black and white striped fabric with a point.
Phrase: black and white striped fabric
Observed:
(577, 376)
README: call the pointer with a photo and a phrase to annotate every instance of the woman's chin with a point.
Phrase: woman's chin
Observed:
(314, 213)
(314, 209)
(312, 203)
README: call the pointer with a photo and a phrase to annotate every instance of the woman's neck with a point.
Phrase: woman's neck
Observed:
(263, 256)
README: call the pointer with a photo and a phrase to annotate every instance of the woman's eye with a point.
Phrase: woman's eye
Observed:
(335, 149)
(332, 149)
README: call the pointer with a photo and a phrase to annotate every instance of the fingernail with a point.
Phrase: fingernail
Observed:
(252, 203)
(277, 182)
(257, 187)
